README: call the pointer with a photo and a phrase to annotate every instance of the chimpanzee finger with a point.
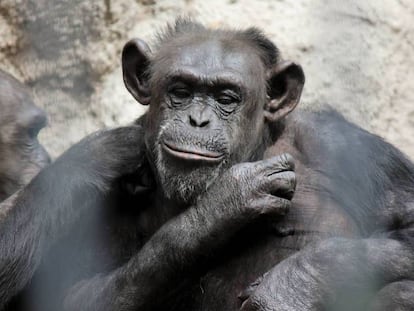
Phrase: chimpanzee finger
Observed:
(282, 184)
(247, 292)
(140, 182)
(280, 163)
(271, 205)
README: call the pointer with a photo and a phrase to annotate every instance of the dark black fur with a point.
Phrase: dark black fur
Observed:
(203, 223)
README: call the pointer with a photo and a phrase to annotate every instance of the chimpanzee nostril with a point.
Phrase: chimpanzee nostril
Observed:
(204, 123)
(192, 121)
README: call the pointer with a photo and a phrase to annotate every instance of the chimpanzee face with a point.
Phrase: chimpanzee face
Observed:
(21, 155)
(206, 114)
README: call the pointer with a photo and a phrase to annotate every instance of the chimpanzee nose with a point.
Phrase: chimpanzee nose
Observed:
(200, 121)
(200, 115)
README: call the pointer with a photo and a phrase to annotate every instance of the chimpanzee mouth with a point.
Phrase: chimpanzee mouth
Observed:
(193, 154)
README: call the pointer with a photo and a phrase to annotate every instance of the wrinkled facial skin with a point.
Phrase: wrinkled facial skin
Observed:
(21, 155)
(206, 114)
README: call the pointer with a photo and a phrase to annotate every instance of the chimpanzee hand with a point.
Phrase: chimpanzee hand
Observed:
(277, 290)
(334, 274)
(310, 279)
(248, 190)
(235, 199)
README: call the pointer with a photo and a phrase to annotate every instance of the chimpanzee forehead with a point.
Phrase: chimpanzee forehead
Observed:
(214, 58)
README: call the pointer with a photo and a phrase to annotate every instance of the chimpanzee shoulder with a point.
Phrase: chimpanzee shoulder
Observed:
(368, 176)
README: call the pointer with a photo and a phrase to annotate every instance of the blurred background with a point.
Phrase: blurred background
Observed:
(358, 56)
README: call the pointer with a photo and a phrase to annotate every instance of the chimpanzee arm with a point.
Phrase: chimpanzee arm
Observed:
(56, 198)
(337, 274)
(180, 247)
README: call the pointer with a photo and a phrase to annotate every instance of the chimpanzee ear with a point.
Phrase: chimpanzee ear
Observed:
(285, 83)
(135, 62)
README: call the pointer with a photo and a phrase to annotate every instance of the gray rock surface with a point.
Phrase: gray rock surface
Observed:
(358, 56)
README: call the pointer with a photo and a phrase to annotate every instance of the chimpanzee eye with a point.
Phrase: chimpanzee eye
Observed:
(228, 98)
(35, 125)
(180, 92)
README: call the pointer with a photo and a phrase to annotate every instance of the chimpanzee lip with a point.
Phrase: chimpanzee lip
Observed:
(192, 154)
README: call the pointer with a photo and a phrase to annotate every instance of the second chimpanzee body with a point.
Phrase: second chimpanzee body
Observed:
(211, 230)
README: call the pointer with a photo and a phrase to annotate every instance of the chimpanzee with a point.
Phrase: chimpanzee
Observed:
(218, 198)
(21, 155)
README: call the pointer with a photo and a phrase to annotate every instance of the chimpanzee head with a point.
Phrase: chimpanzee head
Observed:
(211, 95)
(21, 155)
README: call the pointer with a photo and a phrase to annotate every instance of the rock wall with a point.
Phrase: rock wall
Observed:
(357, 56)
